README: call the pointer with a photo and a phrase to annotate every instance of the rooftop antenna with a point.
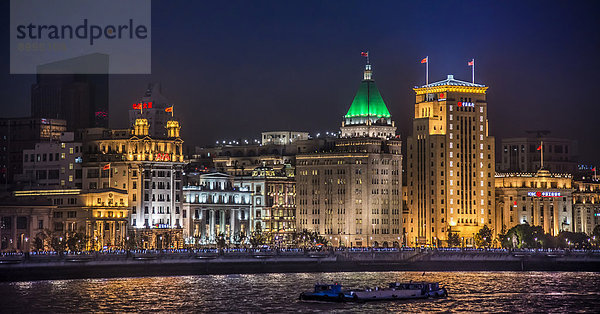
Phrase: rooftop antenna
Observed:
(367, 76)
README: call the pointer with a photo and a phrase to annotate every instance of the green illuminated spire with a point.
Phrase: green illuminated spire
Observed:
(368, 101)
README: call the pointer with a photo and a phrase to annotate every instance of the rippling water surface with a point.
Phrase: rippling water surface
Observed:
(469, 291)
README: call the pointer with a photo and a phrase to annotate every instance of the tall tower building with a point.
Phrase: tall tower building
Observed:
(153, 105)
(351, 193)
(450, 164)
(80, 99)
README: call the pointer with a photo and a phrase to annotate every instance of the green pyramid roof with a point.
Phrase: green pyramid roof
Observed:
(368, 102)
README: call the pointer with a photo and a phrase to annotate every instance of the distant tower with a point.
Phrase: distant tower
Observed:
(368, 115)
(153, 103)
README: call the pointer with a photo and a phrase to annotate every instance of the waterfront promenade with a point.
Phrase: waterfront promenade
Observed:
(50, 265)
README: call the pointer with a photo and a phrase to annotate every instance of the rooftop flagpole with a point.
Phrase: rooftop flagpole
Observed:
(473, 70)
(541, 155)
(427, 70)
(472, 65)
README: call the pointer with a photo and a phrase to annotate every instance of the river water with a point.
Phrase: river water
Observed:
(278, 293)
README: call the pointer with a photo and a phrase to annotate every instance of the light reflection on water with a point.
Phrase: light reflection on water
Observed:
(469, 291)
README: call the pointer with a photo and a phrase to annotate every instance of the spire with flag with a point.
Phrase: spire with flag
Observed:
(366, 55)
(426, 61)
(472, 65)
(541, 149)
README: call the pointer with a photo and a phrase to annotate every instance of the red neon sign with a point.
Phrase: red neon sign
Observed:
(144, 105)
(163, 157)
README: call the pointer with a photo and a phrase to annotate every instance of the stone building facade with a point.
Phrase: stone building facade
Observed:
(351, 192)
(216, 208)
(150, 169)
(538, 199)
(450, 163)
(586, 205)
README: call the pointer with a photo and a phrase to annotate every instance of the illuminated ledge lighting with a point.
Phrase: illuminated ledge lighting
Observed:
(368, 115)
(530, 175)
(450, 88)
(332, 156)
(47, 192)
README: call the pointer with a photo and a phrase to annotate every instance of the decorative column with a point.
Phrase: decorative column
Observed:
(232, 215)
(222, 221)
(212, 233)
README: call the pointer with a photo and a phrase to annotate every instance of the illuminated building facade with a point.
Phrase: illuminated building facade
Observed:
(53, 164)
(150, 169)
(351, 192)
(450, 165)
(283, 137)
(539, 199)
(586, 205)
(273, 202)
(216, 208)
(243, 159)
(100, 216)
(20, 222)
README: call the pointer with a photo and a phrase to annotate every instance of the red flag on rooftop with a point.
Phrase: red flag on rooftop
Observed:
(540, 147)
(424, 60)
(106, 167)
(169, 109)
(471, 63)
(364, 54)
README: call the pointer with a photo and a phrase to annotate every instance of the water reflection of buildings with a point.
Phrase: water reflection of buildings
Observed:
(216, 209)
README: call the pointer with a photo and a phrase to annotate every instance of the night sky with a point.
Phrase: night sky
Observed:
(234, 69)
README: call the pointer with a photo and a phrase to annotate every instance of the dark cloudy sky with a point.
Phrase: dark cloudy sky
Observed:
(234, 69)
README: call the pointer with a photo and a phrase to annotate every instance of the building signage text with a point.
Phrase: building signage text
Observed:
(465, 104)
(543, 194)
(163, 157)
(144, 105)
